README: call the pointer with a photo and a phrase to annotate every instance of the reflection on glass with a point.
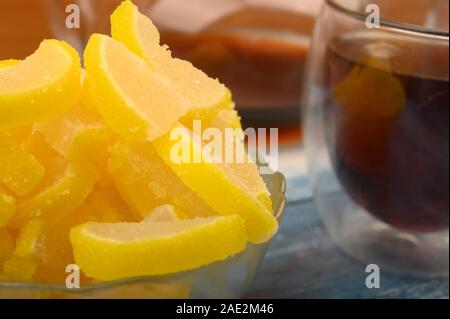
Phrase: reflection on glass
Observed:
(377, 133)
(390, 127)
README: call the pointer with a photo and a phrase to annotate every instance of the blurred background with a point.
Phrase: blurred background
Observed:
(258, 48)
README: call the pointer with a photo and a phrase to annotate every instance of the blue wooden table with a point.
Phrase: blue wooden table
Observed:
(303, 261)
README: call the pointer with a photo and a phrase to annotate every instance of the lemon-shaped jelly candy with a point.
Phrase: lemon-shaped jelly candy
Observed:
(140, 35)
(7, 207)
(63, 196)
(136, 102)
(114, 251)
(220, 189)
(20, 171)
(145, 181)
(45, 84)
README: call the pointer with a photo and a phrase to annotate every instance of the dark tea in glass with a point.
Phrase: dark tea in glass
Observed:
(388, 126)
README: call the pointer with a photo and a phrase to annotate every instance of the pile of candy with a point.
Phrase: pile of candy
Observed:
(87, 174)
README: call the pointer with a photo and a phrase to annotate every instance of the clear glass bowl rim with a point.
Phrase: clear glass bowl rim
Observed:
(386, 23)
(277, 190)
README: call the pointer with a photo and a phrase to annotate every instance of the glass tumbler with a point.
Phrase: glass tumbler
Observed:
(376, 112)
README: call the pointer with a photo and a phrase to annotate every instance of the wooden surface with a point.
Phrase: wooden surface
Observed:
(303, 262)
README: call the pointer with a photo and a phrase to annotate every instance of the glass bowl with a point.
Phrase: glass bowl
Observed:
(225, 279)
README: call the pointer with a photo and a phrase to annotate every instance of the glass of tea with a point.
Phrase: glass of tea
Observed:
(376, 122)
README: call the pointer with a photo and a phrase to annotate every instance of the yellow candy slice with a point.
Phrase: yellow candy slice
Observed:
(139, 34)
(224, 118)
(21, 266)
(200, 90)
(219, 118)
(7, 207)
(26, 242)
(132, 183)
(165, 213)
(228, 122)
(6, 246)
(59, 199)
(18, 269)
(113, 251)
(246, 171)
(126, 26)
(248, 174)
(6, 64)
(53, 251)
(221, 190)
(106, 203)
(137, 103)
(45, 84)
(145, 182)
(54, 164)
(20, 172)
